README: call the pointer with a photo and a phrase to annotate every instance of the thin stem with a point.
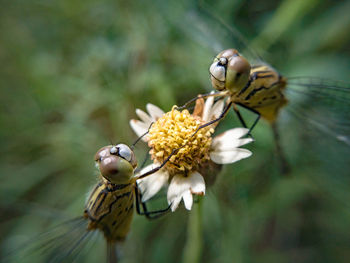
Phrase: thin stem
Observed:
(193, 246)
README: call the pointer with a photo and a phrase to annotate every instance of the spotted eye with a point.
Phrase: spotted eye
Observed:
(239, 65)
(218, 71)
(109, 166)
(126, 153)
(229, 71)
(102, 153)
(116, 163)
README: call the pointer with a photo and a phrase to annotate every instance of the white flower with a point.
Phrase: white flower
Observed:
(182, 187)
(184, 182)
(142, 126)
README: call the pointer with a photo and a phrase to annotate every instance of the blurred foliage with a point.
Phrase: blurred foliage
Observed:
(72, 75)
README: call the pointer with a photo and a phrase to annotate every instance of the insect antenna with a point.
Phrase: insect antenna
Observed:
(219, 94)
(238, 37)
(145, 159)
(139, 138)
(111, 142)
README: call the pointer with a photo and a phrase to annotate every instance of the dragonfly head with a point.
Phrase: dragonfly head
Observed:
(116, 163)
(229, 71)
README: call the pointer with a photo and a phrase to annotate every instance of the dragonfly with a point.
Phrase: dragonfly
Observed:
(108, 209)
(256, 86)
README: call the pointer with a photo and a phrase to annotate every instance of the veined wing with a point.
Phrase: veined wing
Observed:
(323, 103)
(63, 243)
(206, 28)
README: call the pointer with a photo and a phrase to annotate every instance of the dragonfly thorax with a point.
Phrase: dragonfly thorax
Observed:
(109, 208)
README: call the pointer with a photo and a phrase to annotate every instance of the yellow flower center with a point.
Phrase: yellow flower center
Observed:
(174, 130)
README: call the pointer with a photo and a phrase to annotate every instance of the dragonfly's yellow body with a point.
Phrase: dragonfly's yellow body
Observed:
(109, 208)
(263, 92)
(259, 88)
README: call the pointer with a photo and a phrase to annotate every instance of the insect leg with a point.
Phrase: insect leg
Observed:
(139, 138)
(256, 120)
(238, 113)
(201, 96)
(160, 166)
(285, 169)
(143, 163)
(156, 213)
(222, 115)
(149, 214)
(216, 94)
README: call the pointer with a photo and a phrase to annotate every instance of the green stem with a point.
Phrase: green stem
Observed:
(193, 247)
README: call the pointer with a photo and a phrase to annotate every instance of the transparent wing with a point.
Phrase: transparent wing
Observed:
(63, 243)
(322, 103)
(206, 28)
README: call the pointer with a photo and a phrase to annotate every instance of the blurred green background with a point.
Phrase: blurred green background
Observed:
(73, 73)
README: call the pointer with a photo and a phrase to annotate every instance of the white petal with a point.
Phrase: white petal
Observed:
(144, 116)
(139, 127)
(197, 183)
(207, 108)
(227, 143)
(230, 139)
(231, 144)
(230, 156)
(154, 111)
(216, 110)
(236, 132)
(188, 199)
(175, 203)
(181, 187)
(151, 184)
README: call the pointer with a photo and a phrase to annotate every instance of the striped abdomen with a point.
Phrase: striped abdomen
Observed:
(110, 209)
(263, 92)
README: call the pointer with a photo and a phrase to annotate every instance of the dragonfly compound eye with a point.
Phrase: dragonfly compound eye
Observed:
(116, 169)
(237, 75)
(229, 71)
(218, 75)
(237, 70)
(126, 153)
(218, 71)
(102, 153)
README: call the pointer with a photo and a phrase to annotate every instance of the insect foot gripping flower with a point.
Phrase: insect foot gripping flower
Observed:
(175, 129)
